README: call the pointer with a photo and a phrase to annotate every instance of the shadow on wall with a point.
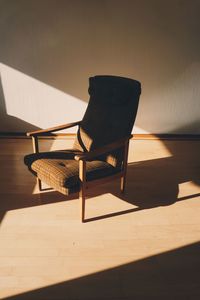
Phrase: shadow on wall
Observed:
(152, 41)
(170, 275)
(64, 44)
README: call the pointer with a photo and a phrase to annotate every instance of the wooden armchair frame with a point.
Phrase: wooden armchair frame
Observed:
(82, 159)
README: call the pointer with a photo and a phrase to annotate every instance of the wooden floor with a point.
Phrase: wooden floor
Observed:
(143, 245)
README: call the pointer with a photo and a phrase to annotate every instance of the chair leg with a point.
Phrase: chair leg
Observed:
(123, 183)
(124, 168)
(36, 150)
(82, 178)
(39, 184)
(82, 202)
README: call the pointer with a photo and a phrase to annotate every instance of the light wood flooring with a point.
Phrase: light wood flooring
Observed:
(141, 245)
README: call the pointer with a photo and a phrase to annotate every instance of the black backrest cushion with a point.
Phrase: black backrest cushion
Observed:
(110, 114)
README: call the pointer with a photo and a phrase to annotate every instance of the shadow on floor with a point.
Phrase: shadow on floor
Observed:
(155, 183)
(150, 183)
(170, 275)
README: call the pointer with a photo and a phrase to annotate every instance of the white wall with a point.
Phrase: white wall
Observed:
(49, 48)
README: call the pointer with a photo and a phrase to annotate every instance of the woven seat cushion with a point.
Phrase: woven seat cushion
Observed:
(59, 170)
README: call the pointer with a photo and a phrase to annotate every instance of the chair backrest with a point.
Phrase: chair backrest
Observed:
(110, 114)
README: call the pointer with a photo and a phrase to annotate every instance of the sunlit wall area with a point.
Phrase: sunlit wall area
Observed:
(52, 47)
(35, 102)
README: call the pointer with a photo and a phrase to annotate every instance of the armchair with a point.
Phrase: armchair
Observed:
(100, 149)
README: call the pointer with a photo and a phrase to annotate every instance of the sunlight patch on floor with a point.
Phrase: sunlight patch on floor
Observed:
(189, 191)
(138, 149)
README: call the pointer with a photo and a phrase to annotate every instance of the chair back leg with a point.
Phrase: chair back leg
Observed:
(82, 177)
(124, 168)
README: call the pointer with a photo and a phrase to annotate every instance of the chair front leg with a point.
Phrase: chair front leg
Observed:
(82, 178)
(39, 184)
(36, 150)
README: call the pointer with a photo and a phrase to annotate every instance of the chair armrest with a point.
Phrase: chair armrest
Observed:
(102, 150)
(52, 129)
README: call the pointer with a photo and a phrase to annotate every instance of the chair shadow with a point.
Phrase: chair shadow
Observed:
(150, 183)
(154, 183)
(143, 191)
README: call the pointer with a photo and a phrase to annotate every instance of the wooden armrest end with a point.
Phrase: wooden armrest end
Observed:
(52, 129)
